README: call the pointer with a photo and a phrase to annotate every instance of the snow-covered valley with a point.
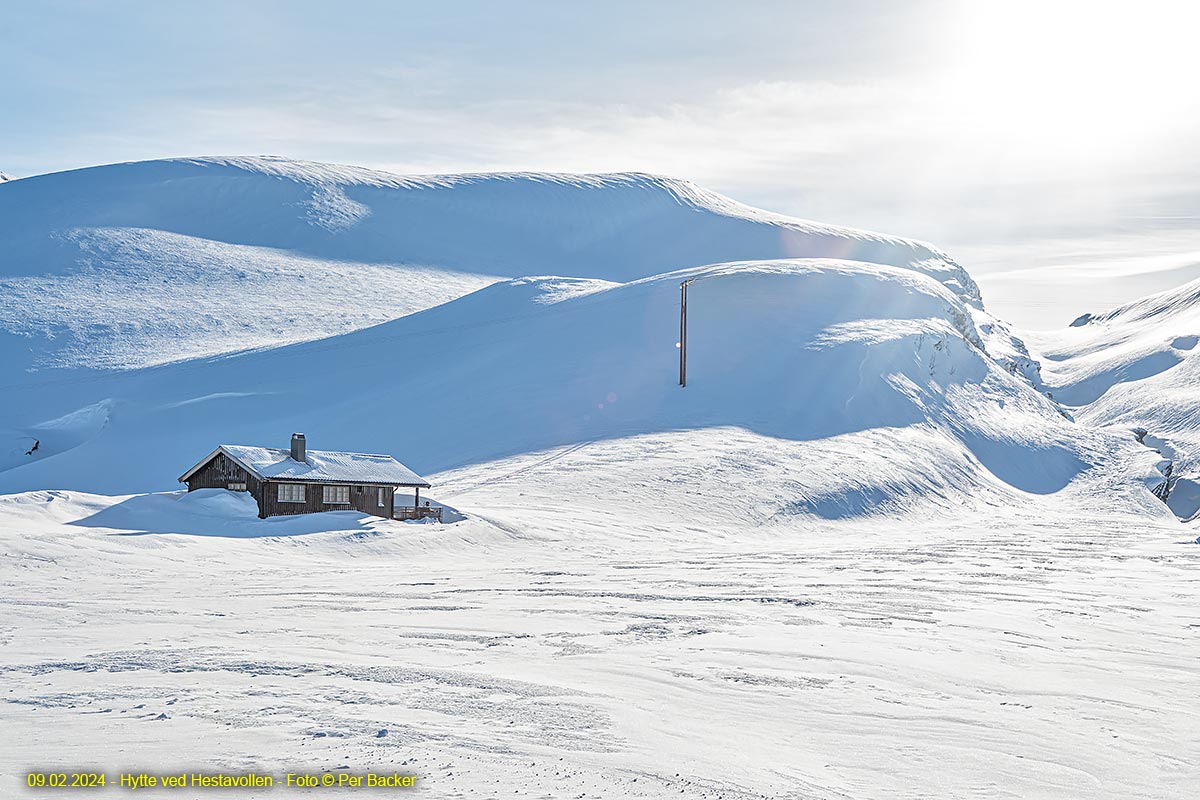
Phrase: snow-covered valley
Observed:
(881, 545)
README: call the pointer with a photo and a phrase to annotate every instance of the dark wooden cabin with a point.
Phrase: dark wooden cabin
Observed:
(303, 481)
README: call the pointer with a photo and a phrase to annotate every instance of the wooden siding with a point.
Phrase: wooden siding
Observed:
(222, 471)
(362, 498)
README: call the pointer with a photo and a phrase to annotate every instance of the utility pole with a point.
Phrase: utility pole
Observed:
(683, 287)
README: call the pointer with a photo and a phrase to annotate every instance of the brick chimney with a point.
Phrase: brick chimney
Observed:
(299, 450)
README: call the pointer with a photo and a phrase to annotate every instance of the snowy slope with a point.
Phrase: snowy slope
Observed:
(1134, 367)
(149, 262)
(867, 385)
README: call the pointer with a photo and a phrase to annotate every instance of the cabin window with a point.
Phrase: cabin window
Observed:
(236, 487)
(381, 503)
(337, 494)
(291, 492)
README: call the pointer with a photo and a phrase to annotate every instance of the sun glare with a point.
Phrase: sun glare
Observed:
(1074, 78)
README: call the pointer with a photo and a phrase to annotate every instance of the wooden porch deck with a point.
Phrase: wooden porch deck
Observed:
(418, 512)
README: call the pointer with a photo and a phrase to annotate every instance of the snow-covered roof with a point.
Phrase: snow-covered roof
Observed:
(323, 466)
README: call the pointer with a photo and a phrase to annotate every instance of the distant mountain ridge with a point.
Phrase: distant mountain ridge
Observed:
(352, 212)
(1135, 367)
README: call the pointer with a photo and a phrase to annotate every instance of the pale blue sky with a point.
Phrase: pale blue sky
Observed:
(1017, 135)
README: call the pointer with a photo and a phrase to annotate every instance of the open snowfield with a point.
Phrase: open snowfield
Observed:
(604, 649)
(882, 544)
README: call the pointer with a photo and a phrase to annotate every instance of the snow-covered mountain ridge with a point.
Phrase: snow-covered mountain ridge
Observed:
(136, 264)
(390, 313)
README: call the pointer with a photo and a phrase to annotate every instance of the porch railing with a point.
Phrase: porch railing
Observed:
(418, 512)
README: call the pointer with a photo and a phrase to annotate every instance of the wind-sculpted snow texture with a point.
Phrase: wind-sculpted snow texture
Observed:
(863, 553)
